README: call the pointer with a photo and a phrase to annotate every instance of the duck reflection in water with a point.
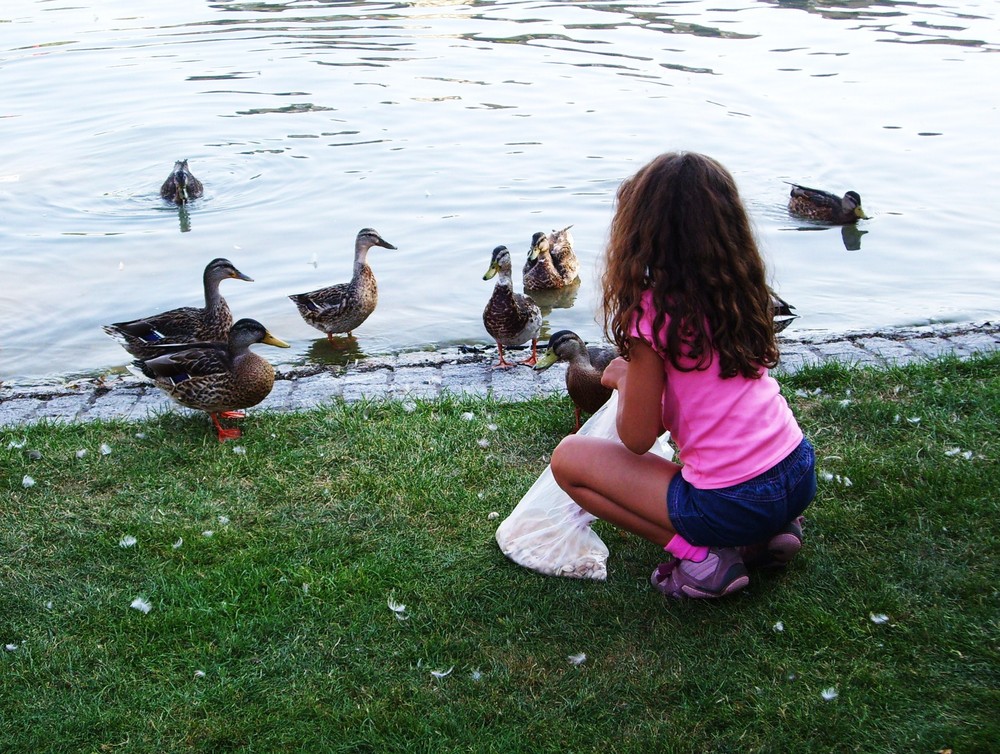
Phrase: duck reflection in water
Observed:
(184, 217)
(851, 235)
(556, 298)
(340, 351)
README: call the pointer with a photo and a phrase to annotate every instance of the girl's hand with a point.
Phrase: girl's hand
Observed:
(614, 372)
(639, 382)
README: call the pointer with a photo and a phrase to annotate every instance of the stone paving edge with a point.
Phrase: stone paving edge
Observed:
(460, 371)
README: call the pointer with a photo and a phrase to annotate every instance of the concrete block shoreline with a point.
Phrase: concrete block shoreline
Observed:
(415, 375)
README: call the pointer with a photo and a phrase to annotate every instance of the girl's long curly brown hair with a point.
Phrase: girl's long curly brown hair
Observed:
(680, 229)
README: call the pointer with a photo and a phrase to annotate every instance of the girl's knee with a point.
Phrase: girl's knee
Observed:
(564, 460)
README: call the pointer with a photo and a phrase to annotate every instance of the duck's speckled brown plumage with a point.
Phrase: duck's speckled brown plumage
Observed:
(511, 318)
(216, 377)
(144, 337)
(552, 262)
(181, 186)
(825, 207)
(585, 366)
(343, 307)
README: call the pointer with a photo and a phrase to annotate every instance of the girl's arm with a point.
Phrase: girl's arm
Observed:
(639, 382)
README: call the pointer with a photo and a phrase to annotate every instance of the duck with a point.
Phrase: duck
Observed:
(510, 318)
(343, 307)
(181, 186)
(144, 337)
(220, 378)
(782, 311)
(585, 368)
(551, 262)
(823, 206)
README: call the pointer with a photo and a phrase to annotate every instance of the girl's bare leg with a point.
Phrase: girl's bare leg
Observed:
(608, 480)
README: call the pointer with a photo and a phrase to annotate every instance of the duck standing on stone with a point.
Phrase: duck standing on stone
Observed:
(510, 318)
(343, 307)
(187, 324)
(552, 262)
(218, 378)
(586, 365)
(181, 186)
(822, 206)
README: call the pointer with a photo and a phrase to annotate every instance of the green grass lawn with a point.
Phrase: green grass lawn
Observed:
(268, 565)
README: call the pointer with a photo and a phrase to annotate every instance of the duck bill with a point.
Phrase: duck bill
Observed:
(533, 253)
(492, 271)
(548, 359)
(860, 213)
(273, 341)
(385, 244)
(237, 275)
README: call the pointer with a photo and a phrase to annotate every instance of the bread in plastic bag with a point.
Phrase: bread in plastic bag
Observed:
(549, 533)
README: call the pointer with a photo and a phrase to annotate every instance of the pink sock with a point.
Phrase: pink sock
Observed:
(681, 548)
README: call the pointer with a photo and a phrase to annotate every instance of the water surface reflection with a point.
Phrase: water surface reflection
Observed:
(455, 128)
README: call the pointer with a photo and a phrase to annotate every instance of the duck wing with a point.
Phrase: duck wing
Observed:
(181, 362)
(542, 274)
(601, 356)
(333, 300)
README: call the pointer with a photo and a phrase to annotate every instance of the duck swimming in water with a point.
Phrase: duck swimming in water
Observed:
(822, 206)
(181, 186)
(782, 311)
(552, 263)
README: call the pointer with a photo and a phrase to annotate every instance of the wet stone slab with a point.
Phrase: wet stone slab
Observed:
(460, 371)
(891, 351)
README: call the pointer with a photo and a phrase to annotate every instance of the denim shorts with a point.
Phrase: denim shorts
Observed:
(747, 512)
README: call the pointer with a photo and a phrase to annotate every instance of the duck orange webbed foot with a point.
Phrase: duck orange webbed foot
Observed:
(533, 359)
(223, 432)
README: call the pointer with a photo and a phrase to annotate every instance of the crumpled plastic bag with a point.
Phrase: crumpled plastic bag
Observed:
(549, 533)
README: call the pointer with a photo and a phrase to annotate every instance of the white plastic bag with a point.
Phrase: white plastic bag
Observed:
(547, 532)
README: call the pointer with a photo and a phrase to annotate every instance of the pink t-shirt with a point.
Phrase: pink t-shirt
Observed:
(726, 430)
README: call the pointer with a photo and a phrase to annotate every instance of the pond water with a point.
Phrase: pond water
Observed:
(454, 127)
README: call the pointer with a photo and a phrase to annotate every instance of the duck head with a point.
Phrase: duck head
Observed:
(539, 244)
(222, 269)
(246, 332)
(499, 263)
(852, 203)
(368, 237)
(562, 346)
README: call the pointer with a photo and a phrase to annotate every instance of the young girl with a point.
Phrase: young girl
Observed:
(687, 303)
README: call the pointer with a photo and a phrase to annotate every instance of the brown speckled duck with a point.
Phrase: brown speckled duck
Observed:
(551, 262)
(343, 307)
(511, 318)
(218, 378)
(188, 324)
(825, 207)
(586, 365)
(181, 186)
